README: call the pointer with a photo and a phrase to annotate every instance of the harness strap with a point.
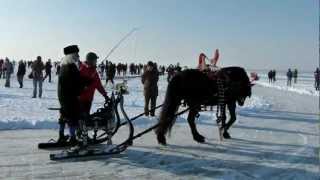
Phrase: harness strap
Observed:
(221, 102)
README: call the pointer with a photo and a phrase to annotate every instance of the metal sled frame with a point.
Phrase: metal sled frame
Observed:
(104, 137)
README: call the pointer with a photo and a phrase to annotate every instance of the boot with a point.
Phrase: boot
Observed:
(226, 135)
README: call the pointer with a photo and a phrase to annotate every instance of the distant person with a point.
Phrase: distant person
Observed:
(48, 68)
(270, 74)
(317, 79)
(149, 80)
(274, 74)
(1, 68)
(295, 76)
(37, 76)
(170, 71)
(58, 69)
(102, 68)
(110, 72)
(8, 67)
(21, 72)
(289, 77)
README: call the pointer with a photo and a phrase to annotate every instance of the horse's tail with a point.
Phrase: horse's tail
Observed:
(170, 106)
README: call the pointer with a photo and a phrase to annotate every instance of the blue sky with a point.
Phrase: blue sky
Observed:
(256, 34)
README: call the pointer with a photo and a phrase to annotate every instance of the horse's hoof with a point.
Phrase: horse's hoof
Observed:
(226, 135)
(161, 140)
(199, 139)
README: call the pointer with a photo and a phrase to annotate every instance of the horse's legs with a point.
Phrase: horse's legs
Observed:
(191, 118)
(232, 111)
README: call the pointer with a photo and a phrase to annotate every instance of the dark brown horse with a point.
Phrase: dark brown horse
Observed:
(198, 88)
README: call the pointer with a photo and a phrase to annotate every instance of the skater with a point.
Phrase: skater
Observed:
(37, 76)
(21, 72)
(149, 80)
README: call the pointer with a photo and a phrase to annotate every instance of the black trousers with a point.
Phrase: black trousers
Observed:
(149, 100)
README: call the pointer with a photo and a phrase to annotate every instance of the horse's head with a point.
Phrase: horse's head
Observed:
(238, 84)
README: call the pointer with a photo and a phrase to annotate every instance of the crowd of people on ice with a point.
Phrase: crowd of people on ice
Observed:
(39, 71)
(293, 75)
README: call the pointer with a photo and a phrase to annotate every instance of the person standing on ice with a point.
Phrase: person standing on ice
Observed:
(48, 68)
(8, 71)
(317, 79)
(149, 79)
(1, 68)
(89, 74)
(69, 89)
(289, 77)
(37, 76)
(110, 72)
(295, 76)
(21, 72)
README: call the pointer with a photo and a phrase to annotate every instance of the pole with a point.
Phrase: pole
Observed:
(118, 44)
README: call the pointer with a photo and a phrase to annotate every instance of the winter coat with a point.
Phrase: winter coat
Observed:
(69, 88)
(150, 80)
(295, 74)
(111, 71)
(8, 67)
(289, 74)
(1, 64)
(48, 67)
(93, 82)
(37, 68)
(21, 69)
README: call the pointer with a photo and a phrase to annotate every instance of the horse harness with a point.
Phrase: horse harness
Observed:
(221, 98)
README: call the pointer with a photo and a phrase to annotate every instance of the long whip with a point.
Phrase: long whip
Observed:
(118, 44)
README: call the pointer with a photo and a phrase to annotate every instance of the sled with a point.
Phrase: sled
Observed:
(98, 128)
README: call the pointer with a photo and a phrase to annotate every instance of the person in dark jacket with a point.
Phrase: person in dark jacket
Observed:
(295, 76)
(69, 88)
(149, 80)
(21, 72)
(8, 67)
(37, 76)
(317, 79)
(289, 77)
(1, 66)
(110, 72)
(48, 68)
